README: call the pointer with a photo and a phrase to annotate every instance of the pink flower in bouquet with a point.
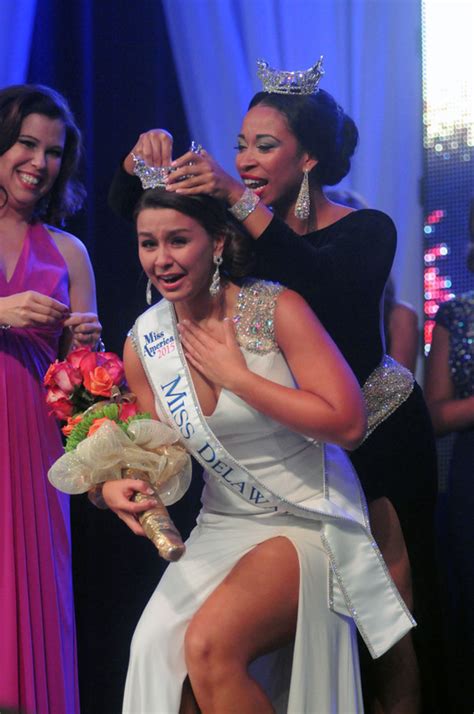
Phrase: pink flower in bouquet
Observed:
(89, 361)
(63, 376)
(114, 367)
(75, 357)
(82, 380)
(61, 406)
(101, 371)
(128, 409)
(71, 423)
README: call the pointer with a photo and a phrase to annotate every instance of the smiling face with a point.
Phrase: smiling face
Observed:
(176, 253)
(29, 168)
(269, 159)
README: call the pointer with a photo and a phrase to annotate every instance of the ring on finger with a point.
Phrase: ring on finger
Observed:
(196, 148)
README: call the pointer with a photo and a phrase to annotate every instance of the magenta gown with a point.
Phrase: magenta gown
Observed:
(38, 672)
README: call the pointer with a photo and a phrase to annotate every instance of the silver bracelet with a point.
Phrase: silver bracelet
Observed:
(247, 203)
(5, 327)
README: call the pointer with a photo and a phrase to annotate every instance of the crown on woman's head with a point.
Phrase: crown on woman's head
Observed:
(276, 81)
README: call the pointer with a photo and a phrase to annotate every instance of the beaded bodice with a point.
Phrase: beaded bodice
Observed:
(254, 319)
(457, 316)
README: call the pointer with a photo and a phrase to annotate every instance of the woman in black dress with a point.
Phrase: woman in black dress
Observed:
(450, 398)
(289, 148)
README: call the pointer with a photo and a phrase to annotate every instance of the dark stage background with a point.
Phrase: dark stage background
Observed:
(115, 94)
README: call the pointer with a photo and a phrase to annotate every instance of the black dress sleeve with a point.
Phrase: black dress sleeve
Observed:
(124, 193)
(357, 250)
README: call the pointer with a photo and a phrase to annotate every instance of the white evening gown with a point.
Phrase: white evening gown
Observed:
(320, 673)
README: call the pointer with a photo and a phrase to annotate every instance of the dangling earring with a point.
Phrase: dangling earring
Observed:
(302, 206)
(215, 285)
(148, 292)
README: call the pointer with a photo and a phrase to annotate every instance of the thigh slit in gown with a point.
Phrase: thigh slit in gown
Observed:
(319, 673)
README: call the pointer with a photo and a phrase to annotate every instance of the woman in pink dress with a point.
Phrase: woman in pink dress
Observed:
(47, 304)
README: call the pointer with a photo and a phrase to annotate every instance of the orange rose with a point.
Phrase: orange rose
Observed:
(96, 425)
(71, 423)
(99, 382)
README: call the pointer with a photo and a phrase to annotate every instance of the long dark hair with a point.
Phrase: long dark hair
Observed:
(16, 103)
(322, 129)
(213, 216)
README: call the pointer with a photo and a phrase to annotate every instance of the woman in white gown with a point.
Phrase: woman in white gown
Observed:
(260, 613)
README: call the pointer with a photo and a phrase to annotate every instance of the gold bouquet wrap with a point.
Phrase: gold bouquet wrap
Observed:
(156, 522)
(149, 451)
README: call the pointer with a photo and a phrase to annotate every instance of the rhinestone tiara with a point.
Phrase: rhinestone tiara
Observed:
(276, 81)
(150, 176)
(155, 176)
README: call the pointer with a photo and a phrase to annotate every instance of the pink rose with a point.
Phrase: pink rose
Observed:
(89, 361)
(75, 357)
(59, 403)
(63, 376)
(106, 360)
(127, 410)
(114, 367)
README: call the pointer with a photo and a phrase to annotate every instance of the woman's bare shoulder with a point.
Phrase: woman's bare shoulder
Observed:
(71, 248)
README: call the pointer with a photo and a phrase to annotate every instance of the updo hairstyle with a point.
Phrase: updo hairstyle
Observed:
(321, 128)
(213, 216)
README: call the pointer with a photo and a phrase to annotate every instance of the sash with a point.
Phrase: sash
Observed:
(363, 588)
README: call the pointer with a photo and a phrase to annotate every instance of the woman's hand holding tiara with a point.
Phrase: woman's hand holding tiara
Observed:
(155, 147)
(198, 173)
(195, 172)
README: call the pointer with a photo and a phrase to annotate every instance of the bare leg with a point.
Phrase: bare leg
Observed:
(253, 611)
(396, 673)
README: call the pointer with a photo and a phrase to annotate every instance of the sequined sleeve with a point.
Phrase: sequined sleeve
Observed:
(133, 339)
(255, 313)
(457, 316)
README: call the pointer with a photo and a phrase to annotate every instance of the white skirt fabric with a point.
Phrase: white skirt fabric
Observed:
(319, 674)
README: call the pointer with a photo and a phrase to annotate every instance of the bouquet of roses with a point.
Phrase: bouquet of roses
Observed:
(107, 439)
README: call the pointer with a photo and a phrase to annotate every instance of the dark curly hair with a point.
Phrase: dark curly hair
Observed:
(321, 128)
(213, 216)
(16, 103)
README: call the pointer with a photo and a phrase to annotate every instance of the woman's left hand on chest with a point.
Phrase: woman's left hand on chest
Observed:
(216, 356)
